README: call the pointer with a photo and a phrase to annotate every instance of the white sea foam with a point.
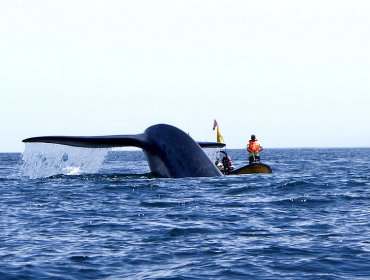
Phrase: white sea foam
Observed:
(212, 153)
(44, 160)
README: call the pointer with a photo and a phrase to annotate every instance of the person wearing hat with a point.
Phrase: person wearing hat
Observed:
(253, 148)
(227, 163)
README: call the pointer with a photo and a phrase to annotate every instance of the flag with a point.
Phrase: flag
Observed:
(215, 124)
(220, 139)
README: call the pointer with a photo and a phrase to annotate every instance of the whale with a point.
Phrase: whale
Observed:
(170, 152)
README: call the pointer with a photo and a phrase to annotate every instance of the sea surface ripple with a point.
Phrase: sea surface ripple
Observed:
(309, 219)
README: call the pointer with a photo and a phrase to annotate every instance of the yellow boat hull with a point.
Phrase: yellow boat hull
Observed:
(252, 169)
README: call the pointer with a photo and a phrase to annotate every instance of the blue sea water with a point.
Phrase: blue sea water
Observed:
(309, 219)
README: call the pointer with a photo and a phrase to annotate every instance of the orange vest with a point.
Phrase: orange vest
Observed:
(254, 146)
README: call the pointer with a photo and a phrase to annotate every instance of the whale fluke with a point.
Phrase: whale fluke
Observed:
(170, 151)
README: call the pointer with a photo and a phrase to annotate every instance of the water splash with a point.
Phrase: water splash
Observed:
(44, 160)
(213, 153)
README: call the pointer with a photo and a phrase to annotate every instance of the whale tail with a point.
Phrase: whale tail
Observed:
(170, 151)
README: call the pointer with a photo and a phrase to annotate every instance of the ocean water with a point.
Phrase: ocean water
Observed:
(309, 219)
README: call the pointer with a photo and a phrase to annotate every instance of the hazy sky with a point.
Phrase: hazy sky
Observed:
(295, 73)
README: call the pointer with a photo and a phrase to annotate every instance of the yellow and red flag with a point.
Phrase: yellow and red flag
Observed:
(220, 139)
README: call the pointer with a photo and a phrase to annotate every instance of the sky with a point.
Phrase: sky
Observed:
(295, 73)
